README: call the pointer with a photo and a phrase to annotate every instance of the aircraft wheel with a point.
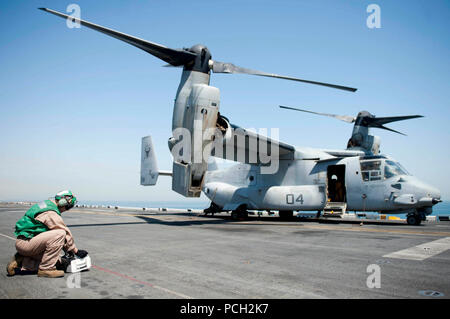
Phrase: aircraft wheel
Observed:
(212, 209)
(239, 214)
(413, 220)
(418, 220)
(286, 214)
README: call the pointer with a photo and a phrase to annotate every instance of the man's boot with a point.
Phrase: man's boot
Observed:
(14, 264)
(50, 273)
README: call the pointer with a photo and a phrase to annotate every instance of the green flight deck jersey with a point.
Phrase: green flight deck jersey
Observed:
(28, 226)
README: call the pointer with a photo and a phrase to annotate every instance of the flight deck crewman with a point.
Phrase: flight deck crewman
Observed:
(41, 234)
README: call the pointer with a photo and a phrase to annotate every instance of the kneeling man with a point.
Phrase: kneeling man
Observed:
(41, 235)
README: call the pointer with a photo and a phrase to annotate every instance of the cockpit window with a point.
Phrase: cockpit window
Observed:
(371, 170)
(370, 165)
(392, 169)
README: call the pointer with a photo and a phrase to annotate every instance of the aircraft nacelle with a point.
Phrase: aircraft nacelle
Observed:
(195, 116)
(367, 143)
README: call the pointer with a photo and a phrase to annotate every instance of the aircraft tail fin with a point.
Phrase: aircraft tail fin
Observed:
(149, 165)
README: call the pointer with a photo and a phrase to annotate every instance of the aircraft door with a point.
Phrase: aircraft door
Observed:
(336, 183)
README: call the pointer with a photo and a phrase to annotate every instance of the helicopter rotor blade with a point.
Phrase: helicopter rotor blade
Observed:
(386, 128)
(171, 56)
(364, 118)
(345, 118)
(379, 121)
(181, 57)
(222, 67)
(385, 120)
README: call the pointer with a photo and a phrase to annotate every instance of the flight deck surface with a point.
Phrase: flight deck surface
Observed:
(173, 254)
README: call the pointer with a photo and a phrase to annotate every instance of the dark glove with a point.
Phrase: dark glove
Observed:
(81, 253)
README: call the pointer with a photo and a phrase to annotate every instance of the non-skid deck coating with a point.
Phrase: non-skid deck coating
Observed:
(141, 254)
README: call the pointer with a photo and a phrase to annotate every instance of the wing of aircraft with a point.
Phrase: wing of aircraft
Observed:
(249, 147)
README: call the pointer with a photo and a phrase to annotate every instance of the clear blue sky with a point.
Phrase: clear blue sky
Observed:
(75, 103)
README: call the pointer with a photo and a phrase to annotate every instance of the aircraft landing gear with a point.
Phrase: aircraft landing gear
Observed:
(415, 218)
(240, 213)
(212, 209)
(286, 214)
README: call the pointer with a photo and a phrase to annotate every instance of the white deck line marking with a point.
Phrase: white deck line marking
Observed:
(422, 252)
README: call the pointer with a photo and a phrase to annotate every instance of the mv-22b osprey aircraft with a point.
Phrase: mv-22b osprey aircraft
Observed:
(357, 178)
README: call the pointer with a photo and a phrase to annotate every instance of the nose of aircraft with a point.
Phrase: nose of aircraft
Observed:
(431, 192)
(436, 195)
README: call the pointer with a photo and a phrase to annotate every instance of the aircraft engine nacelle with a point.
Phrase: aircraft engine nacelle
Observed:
(373, 144)
(191, 143)
(367, 143)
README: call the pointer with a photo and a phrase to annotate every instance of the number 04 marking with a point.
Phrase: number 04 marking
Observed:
(290, 199)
